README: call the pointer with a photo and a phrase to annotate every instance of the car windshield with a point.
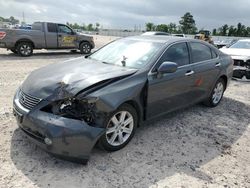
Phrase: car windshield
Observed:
(241, 44)
(128, 53)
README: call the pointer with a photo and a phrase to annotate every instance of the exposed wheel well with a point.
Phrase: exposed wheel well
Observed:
(224, 77)
(83, 42)
(24, 40)
(137, 109)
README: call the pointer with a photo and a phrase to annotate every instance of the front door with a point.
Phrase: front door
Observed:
(171, 91)
(66, 37)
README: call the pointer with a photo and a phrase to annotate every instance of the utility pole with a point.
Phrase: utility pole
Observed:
(23, 18)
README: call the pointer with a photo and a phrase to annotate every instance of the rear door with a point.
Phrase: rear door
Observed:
(171, 91)
(66, 37)
(51, 36)
(206, 64)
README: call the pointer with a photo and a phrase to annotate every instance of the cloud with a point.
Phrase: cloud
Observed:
(128, 13)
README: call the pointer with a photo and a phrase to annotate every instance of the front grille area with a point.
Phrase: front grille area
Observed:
(28, 101)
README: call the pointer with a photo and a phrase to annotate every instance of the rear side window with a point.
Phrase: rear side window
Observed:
(200, 52)
(177, 53)
(52, 27)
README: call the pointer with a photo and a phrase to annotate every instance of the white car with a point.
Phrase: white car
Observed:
(240, 53)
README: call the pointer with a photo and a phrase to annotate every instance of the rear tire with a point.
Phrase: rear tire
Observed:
(120, 128)
(217, 94)
(24, 49)
(85, 48)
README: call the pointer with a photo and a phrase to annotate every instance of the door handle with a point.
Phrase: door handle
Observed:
(59, 35)
(188, 73)
(218, 64)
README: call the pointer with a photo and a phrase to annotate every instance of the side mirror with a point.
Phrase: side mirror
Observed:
(167, 67)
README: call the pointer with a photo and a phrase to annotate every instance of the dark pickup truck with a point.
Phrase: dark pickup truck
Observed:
(44, 35)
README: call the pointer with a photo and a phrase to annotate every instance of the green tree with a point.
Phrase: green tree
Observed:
(172, 28)
(187, 23)
(232, 31)
(162, 27)
(214, 33)
(223, 30)
(97, 25)
(240, 30)
(150, 26)
(90, 27)
(13, 21)
(83, 27)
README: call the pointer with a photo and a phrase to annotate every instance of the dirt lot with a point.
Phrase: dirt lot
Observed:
(195, 147)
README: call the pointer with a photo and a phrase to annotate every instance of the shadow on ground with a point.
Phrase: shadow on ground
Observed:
(180, 142)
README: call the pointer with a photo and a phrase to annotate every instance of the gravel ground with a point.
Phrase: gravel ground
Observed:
(194, 147)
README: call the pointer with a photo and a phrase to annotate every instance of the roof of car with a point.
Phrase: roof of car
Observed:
(246, 40)
(160, 38)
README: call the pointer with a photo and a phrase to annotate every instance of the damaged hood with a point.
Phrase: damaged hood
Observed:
(236, 51)
(71, 76)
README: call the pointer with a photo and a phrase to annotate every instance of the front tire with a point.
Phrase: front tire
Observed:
(217, 94)
(120, 128)
(85, 48)
(24, 49)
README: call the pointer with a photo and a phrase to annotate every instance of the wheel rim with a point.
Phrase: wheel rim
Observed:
(119, 128)
(86, 48)
(25, 49)
(218, 92)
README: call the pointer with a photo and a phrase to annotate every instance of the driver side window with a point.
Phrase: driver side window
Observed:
(64, 29)
(177, 53)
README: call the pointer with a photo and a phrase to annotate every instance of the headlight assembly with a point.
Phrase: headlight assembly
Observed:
(74, 109)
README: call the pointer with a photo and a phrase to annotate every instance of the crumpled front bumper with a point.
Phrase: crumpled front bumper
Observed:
(70, 139)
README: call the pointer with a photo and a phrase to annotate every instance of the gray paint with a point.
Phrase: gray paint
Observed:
(42, 39)
(151, 93)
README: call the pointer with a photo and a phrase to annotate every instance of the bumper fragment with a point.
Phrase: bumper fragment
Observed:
(70, 139)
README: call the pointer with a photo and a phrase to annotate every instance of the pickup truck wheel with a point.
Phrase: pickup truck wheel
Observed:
(25, 49)
(85, 48)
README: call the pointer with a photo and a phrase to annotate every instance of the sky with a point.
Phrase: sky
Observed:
(126, 14)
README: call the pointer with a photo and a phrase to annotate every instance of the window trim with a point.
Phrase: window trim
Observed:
(191, 62)
(55, 27)
(153, 69)
(64, 26)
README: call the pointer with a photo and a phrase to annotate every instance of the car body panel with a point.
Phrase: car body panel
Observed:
(79, 72)
(148, 91)
(169, 91)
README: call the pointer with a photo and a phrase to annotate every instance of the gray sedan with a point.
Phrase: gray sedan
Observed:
(67, 108)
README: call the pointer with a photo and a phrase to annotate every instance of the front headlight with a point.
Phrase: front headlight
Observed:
(73, 108)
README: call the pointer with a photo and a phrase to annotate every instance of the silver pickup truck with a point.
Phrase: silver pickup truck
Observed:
(44, 35)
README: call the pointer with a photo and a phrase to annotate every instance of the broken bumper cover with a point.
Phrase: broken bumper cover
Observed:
(66, 138)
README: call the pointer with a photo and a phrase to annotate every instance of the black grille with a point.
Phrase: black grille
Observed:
(238, 62)
(28, 101)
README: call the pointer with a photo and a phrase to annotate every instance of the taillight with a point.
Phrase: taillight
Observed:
(2, 34)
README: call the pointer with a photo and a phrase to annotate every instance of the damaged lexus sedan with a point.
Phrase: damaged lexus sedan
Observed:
(67, 108)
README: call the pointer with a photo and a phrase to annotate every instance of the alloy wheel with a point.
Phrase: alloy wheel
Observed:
(218, 93)
(119, 128)
(86, 48)
(25, 49)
